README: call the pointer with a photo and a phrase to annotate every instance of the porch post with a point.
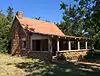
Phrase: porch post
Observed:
(78, 45)
(69, 45)
(57, 45)
(86, 45)
(50, 45)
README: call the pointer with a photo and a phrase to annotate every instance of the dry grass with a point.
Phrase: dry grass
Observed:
(8, 68)
(22, 66)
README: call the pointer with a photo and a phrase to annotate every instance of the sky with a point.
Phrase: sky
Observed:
(46, 9)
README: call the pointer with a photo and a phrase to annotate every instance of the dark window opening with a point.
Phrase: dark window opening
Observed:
(40, 45)
(36, 45)
(44, 45)
(74, 45)
(23, 44)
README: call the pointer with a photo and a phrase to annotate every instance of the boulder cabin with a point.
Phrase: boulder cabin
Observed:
(43, 40)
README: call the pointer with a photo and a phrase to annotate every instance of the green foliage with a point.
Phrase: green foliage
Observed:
(93, 23)
(10, 14)
(3, 33)
(73, 17)
(5, 25)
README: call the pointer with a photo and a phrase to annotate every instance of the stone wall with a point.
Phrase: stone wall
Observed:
(42, 55)
(71, 55)
(16, 34)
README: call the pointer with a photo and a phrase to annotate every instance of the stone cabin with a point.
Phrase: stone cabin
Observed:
(43, 40)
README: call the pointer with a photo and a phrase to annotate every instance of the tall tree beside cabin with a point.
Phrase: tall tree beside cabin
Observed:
(5, 25)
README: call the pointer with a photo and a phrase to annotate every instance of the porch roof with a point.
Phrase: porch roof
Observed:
(66, 37)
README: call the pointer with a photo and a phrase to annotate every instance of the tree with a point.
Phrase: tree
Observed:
(73, 17)
(10, 14)
(93, 24)
(3, 33)
(9, 18)
(5, 26)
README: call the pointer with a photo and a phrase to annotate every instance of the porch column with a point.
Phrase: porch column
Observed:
(78, 45)
(86, 45)
(69, 45)
(50, 45)
(57, 45)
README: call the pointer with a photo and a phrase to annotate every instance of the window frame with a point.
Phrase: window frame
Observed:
(23, 44)
(34, 45)
(41, 45)
(38, 37)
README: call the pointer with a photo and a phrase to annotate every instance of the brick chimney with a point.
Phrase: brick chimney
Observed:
(19, 14)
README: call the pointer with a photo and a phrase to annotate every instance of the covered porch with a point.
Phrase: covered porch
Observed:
(68, 43)
(49, 46)
(71, 47)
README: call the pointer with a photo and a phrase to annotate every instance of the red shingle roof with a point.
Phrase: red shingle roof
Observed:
(40, 26)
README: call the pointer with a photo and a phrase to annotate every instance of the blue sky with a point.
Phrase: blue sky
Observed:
(46, 9)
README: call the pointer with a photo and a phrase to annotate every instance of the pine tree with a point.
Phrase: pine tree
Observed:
(5, 26)
(10, 14)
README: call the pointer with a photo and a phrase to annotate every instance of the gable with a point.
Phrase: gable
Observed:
(39, 26)
(16, 26)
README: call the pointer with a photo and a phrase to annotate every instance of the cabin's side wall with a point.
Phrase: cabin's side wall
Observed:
(16, 34)
(28, 45)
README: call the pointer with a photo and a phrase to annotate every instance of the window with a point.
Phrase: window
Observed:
(40, 45)
(44, 45)
(36, 45)
(23, 44)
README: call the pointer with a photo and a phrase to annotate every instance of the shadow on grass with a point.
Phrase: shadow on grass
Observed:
(92, 56)
(43, 68)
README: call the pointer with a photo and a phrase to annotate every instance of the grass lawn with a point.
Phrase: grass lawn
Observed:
(21, 66)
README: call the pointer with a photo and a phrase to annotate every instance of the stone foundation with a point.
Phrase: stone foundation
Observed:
(71, 55)
(42, 55)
